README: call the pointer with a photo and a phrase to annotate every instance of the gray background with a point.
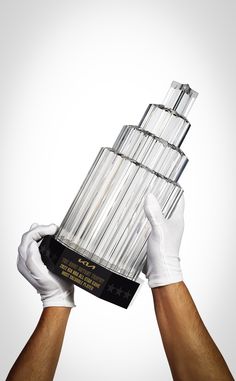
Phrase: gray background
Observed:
(72, 74)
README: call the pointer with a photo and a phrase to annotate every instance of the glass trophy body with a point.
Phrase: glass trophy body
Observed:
(101, 243)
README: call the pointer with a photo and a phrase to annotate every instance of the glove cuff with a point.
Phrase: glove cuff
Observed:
(50, 303)
(65, 299)
(157, 281)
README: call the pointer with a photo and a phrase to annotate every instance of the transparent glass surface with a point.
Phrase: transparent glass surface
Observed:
(106, 221)
(180, 98)
(153, 152)
(169, 121)
(165, 124)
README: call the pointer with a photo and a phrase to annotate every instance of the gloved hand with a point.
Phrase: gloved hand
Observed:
(53, 290)
(163, 263)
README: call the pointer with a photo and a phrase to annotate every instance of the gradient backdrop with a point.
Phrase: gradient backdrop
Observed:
(72, 74)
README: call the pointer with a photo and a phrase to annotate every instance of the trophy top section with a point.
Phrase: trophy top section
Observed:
(180, 98)
(169, 120)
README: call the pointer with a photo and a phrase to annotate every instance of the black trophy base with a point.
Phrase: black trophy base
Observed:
(87, 274)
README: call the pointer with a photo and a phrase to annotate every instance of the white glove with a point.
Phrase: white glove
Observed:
(163, 263)
(54, 291)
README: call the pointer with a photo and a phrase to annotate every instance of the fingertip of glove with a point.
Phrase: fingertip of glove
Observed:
(52, 228)
(38, 231)
(34, 225)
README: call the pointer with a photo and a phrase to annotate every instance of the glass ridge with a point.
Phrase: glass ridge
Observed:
(152, 151)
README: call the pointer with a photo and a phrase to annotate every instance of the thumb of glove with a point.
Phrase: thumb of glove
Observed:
(153, 211)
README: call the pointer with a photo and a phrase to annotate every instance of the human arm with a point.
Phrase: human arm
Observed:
(191, 352)
(38, 359)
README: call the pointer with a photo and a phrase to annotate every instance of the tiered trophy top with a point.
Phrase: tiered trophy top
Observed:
(168, 121)
(180, 98)
(155, 142)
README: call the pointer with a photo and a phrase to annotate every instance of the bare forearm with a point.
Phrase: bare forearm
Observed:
(191, 352)
(38, 360)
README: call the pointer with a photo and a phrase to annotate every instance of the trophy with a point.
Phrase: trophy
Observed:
(102, 241)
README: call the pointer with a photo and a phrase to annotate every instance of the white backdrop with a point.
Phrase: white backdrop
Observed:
(72, 74)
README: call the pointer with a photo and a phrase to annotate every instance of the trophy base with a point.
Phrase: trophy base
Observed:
(87, 274)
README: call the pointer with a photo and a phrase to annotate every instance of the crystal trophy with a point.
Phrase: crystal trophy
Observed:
(101, 243)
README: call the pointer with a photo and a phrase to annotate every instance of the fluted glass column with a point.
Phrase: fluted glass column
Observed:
(106, 221)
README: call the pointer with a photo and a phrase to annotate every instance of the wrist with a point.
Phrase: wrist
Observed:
(166, 295)
(55, 314)
(168, 289)
(57, 310)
